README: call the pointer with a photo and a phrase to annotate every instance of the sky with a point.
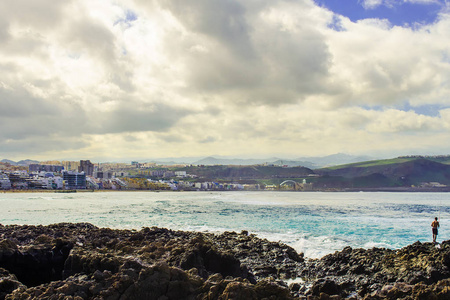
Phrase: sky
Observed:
(113, 80)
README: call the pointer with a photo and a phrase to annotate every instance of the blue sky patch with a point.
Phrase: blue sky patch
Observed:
(426, 110)
(399, 13)
(130, 16)
(336, 24)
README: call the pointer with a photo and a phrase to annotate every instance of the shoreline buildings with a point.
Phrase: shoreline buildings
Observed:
(74, 180)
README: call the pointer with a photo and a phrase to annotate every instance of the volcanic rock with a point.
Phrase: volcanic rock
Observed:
(82, 261)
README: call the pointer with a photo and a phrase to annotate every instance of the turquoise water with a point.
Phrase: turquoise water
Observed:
(313, 223)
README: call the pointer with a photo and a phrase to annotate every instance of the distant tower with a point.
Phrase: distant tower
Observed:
(87, 167)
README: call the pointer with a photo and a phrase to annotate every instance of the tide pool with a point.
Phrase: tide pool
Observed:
(315, 223)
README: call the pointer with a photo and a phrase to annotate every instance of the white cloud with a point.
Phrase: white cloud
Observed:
(422, 1)
(162, 78)
(373, 4)
(388, 66)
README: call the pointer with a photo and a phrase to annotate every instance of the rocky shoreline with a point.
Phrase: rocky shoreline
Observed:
(82, 261)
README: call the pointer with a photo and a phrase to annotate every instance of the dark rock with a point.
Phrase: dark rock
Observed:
(207, 260)
(267, 289)
(370, 273)
(81, 261)
(325, 286)
(8, 283)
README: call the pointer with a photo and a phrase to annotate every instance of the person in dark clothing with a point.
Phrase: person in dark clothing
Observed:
(434, 229)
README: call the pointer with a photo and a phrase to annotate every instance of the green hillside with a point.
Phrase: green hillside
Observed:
(222, 172)
(402, 171)
(443, 159)
(371, 163)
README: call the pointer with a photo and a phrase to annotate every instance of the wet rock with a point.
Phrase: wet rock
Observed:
(81, 261)
(8, 283)
(207, 260)
(378, 273)
(7, 249)
(34, 263)
(325, 286)
(267, 289)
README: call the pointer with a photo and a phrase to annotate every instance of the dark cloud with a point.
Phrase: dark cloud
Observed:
(19, 103)
(231, 49)
(26, 44)
(36, 14)
(172, 138)
(299, 62)
(25, 115)
(216, 72)
(219, 53)
(208, 139)
(222, 21)
(135, 117)
(93, 37)
(4, 31)
(35, 146)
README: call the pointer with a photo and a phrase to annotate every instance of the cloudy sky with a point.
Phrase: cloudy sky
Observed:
(112, 80)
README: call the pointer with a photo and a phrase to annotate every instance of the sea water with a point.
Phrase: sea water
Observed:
(314, 223)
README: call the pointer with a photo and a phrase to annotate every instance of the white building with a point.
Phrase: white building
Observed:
(5, 184)
(180, 174)
(121, 174)
(53, 182)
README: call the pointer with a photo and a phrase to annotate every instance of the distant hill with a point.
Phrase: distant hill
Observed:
(309, 162)
(334, 159)
(7, 161)
(173, 160)
(402, 171)
(294, 163)
(27, 162)
(211, 161)
(230, 173)
(24, 163)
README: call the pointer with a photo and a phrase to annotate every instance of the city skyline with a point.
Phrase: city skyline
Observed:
(133, 79)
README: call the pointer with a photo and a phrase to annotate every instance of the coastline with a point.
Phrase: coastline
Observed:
(77, 191)
(349, 190)
(88, 262)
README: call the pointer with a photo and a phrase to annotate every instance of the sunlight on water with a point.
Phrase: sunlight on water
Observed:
(313, 223)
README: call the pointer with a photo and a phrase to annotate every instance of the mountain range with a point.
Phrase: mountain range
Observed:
(396, 172)
(25, 162)
(308, 162)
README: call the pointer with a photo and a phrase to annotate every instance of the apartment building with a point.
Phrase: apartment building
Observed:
(74, 180)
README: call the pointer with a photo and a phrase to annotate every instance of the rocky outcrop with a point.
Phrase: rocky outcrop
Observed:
(408, 273)
(81, 261)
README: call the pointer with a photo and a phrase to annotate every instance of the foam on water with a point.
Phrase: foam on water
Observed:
(313, 223)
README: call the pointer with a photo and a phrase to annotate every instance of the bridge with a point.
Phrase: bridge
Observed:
(289, 181)
(295, 185)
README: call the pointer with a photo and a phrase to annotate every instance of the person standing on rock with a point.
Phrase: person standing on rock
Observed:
(434, 228)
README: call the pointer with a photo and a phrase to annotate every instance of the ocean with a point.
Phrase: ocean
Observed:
(315, 223)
